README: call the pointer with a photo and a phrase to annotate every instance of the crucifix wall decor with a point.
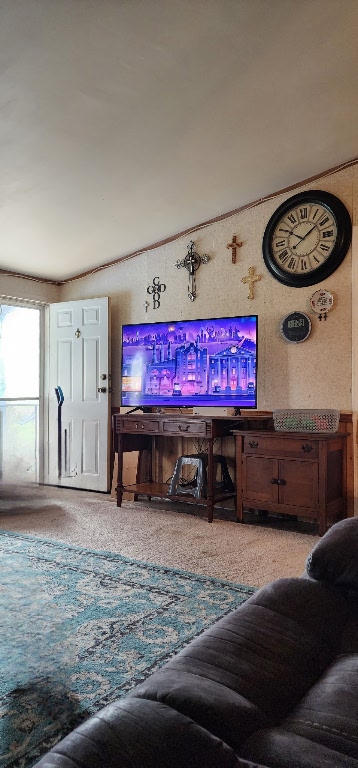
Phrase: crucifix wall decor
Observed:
(192, 263)
(251, 279)
(234, 245)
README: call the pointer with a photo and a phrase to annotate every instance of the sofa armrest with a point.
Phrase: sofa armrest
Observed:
(135, 733)
(334, 560)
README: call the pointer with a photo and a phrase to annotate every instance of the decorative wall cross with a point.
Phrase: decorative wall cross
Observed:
(251, 278)
(156, 290)
(234, 245)
(192, 262)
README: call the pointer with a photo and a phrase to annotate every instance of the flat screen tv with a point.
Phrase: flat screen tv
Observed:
(188, 363)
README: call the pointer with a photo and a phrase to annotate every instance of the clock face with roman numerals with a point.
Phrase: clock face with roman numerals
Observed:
(307, 238)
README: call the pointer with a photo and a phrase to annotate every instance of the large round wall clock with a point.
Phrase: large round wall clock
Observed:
(307, 238)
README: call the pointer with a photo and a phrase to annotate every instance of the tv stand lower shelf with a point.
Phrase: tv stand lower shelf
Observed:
(160, 491)
(133, 432)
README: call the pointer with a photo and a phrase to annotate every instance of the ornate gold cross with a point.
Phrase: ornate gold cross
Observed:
(234, 245)
(251, 278)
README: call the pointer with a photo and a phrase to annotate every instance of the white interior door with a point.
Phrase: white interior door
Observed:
(79, 367)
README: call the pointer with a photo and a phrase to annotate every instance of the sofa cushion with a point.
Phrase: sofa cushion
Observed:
(280, 749)
(322, 730)
(334, 559)
(253, 666)
(328, 715)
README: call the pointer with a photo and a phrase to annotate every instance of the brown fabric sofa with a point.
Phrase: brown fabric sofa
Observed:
(272, 685)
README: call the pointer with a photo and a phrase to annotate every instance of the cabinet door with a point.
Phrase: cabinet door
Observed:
(298, 483)
(258, 472)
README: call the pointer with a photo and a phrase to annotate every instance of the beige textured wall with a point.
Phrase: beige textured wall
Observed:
(316, 373)
(21, 288)
(322, 372)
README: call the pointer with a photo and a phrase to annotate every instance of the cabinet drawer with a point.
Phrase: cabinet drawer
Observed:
(279, 446)
(138, 425)
(184, 427)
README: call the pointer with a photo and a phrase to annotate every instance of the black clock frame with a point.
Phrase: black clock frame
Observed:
(344, 236)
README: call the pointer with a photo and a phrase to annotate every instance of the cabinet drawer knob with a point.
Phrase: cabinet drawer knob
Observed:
(253, 444)
(183, 427)
(281, 482)
(307, 448)
(274, 481)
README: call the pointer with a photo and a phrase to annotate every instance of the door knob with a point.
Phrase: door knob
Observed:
(102, 389)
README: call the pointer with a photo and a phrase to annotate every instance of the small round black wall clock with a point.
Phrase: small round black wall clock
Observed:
(307, 238)
(296, 327)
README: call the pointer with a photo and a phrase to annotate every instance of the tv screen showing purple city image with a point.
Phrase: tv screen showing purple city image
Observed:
(190, 363)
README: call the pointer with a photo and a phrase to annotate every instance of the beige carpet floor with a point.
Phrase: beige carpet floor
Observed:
(167, 533)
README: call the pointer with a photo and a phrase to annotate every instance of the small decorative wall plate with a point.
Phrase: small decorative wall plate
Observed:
(321, 302)
(296, 327)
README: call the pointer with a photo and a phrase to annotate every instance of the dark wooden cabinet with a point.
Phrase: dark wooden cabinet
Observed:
(294, 473)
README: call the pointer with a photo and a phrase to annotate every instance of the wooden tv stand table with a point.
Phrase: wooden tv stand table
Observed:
(138, 432)
(294, 473)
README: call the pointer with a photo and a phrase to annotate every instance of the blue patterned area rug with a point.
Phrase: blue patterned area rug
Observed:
(80, 628)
